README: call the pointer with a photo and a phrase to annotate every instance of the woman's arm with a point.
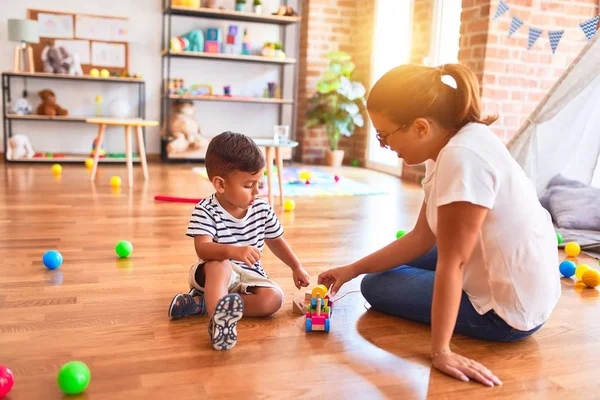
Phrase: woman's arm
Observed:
(459, 226)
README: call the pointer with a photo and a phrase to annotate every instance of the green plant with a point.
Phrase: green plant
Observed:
(339, 102)
(278, 46)
(240, 1)
(257, 3)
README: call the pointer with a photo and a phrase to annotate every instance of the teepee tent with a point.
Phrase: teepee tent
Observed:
(562, 136)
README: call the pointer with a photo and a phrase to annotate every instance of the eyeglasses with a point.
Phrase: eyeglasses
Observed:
(383, 138)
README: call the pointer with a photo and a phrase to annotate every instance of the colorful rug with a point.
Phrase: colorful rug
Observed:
(321, 183)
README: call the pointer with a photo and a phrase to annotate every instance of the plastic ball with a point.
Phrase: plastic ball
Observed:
(572, 249)
(567, 268)
(89, 162)
(355, 163)
(73, 377)
(115, 181)
(56, 169)
(305, 175)
(52, 259)
(400, 233)
(591, 278)
(559, 238)
(94, 72)
(104, 73)
(336, 179)
(124, 248)
(7, 380)
(581, 269)
(289, 205)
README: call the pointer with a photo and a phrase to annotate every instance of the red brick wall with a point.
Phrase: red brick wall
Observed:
(331, 25)
(421, 32)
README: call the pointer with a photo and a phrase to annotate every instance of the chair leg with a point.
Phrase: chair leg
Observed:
(128, 155)
(270, 173)
(279, 163)
(142, 150)
(100, 138)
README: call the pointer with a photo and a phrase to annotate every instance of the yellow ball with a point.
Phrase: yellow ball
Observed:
(94, 72)
(289, 205)
(104, 73)
(115, 181)
(572, 249)
(56, 169)
(89, 162)
(305, 176)
(581, 269)
(591, 278)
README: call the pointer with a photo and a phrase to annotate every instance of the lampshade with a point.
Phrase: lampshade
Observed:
(23, 30)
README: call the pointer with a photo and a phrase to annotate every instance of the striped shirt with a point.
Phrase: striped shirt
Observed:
(260, 223)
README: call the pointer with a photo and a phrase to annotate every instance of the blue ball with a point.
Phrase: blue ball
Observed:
(52, 259)
(567, 268)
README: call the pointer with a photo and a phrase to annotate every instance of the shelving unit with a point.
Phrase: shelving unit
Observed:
(289, 35)
(7, 118)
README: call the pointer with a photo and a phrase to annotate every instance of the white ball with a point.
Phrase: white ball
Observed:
(119, 109)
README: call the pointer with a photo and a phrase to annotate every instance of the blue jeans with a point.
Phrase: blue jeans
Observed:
(407, 292)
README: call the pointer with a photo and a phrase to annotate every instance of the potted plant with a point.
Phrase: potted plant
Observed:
(337, 105)
(240, 5)
(257, 4)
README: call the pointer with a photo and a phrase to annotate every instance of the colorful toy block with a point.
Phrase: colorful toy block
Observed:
(319, 311)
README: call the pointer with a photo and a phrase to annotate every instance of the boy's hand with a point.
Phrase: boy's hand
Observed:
(301, 277)
(247, 254)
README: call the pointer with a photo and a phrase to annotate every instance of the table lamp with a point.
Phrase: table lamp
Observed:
(25, 31)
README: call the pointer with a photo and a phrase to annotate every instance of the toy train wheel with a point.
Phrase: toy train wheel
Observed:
(327, 326)
(309, 325)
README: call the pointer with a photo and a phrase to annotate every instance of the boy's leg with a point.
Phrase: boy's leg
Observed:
(407, 292)
(214, 277)
(262, 302)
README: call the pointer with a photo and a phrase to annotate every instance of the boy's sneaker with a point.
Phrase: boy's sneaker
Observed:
(185, 304)
(222, 327)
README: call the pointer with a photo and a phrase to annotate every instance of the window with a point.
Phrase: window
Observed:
(445, 34)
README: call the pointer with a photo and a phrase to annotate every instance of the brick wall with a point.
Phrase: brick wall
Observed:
(421, 32)
(331, 25)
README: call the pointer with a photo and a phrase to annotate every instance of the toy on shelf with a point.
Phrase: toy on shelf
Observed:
(94, 147)
(227, 91)
(319, 310)
(200, 89)
(56, 60)
(187, 3)
(284, 11)
(20, 106)
(94, 72)
(232, 40)
(272, 91)
(104, 73)
(19, 146)
(184, 130)
(246, 49)
(194, 40)
(214, 40)
(176, 86)
(49, 106)
(274, 50)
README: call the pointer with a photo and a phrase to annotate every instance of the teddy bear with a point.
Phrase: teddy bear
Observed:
(19, 146)
(184, 130)
(49, 106)
(56, 60)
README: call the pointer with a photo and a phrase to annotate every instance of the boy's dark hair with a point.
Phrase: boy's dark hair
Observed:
(230, 152)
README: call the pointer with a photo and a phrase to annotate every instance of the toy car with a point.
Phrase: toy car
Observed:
(319, 310)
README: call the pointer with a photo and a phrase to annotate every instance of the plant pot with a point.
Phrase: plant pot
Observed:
(211, 4)
(241, 7)
(258, 9)
(334, 158)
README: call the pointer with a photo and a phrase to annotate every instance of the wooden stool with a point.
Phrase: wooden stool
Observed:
(273, 149)
(127, 123)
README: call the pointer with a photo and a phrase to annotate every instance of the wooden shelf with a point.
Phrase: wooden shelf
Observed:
(43, 75)
(73, 158)
(230, 57)
(263, 100)
(215, 13)
(34, 117)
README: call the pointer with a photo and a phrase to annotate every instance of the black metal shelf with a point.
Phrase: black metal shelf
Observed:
(43, 75)
(229, 57)
(215, 13)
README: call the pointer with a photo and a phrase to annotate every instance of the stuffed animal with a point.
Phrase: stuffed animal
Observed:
(191, 41)
(21, 106)
(49, 106)
(56, 60)
(19, 146)
(185, 132)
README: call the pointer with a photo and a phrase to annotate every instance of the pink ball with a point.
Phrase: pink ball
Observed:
(7, 380)
(336, 179)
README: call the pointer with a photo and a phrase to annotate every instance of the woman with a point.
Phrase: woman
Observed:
(481, 260)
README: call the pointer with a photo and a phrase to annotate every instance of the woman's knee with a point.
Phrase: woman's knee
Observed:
(369, 285)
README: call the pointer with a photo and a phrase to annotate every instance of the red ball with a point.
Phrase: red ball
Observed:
(7, 380)
(336, 179)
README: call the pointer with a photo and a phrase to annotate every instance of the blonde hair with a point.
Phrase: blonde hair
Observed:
(415, 91)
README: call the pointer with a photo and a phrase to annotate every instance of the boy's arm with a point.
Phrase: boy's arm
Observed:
(284, 252)
(207, 250)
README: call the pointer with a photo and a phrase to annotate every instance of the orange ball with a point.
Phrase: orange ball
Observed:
(581, 269)
(591, 278)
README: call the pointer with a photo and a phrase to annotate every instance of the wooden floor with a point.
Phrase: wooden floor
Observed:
(112, 314)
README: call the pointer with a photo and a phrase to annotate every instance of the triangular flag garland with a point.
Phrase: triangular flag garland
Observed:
(589, 27)
(534, 34)
(555, 37)
(502, 9)
(515, 24)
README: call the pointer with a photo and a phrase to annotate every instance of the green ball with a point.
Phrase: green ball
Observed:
(400, 234)
(355, 163)
(73, 377)
(559, 238)
(124, 248)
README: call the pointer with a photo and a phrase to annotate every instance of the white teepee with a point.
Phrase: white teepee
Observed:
(562, 136)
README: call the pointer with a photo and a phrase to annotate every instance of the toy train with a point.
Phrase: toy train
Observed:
(319, 310)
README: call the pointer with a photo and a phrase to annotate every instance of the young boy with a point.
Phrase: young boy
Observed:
(230, 229)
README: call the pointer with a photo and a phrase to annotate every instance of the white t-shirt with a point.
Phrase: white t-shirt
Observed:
(514, 267)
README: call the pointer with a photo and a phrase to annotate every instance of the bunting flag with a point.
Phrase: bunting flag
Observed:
(555, 37)
(502, 9)
(515, 24)
(589, 27)
(534, 34)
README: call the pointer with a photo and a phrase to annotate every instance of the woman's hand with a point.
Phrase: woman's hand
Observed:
(336, 277)
(463, 368)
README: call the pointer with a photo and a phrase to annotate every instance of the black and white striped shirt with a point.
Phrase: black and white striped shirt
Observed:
(260, 223)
